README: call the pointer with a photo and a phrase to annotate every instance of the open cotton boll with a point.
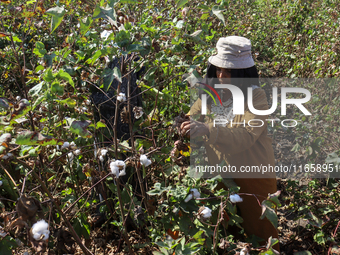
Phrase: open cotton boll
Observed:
(73, 146)
(189, 197)
(40, 230)
(121, 97)
(144, 160)
(0, 183)
(103, 152)
(70, 157)
(235, 198)
(101, 158)
(65, 145)
(116, 167)
(77, 152)
(195, 193)
(206, 213)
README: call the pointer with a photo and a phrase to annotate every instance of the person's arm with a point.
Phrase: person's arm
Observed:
(235, 140)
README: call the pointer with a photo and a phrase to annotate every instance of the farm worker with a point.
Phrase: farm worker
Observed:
(236, 142)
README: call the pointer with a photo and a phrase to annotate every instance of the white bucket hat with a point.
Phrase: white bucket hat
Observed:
(233, 52)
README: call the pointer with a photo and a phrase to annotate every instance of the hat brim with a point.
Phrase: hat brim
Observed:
(236, 63)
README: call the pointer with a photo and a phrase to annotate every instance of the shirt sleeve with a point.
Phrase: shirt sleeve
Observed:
(241, 136)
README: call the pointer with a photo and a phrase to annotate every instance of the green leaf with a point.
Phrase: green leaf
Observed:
(100, 125)
(107, 13)
(36, 89)
(35, 138)
(48, 76)
(181, 3)
(69, 101)
(57, 14)
(218, 13)
(85, 25)
(79, 128)
(65, 76)
(117, 74)
(269, 213)
(81, 226)
(7, 244)
(39, 49)
(57, 88)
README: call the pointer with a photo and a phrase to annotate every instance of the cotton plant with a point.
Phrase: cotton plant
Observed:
(40, 231)
(194, 193)
(118, 168)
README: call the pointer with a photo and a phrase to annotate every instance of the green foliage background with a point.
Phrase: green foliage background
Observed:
(53, 56)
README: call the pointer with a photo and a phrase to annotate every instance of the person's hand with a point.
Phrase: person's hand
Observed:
(194, 129)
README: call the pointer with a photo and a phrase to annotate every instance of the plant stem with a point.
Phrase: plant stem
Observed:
(73, 232)
(122, 213)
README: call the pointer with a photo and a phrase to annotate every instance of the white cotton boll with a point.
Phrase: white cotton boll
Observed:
(7, 156)
(70, 156)
(121, 97)
(103, 152)
(144, 160)
(206, 213)
(114, 169)
(65, 145)
(189, 197)
(235, 198)
(105, 34)
(195, 193)
(40, 230)
(101, 158)
(77, 152)
(88, 102)
(120, 164)
(73, 146)
(18, 98)
(0, 183)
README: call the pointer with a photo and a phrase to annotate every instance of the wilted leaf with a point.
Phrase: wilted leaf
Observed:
(4, 103)
(3, 35)
(5, 139)
(57, 14)
(35, 138)
(79, 128)
(36, 89)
